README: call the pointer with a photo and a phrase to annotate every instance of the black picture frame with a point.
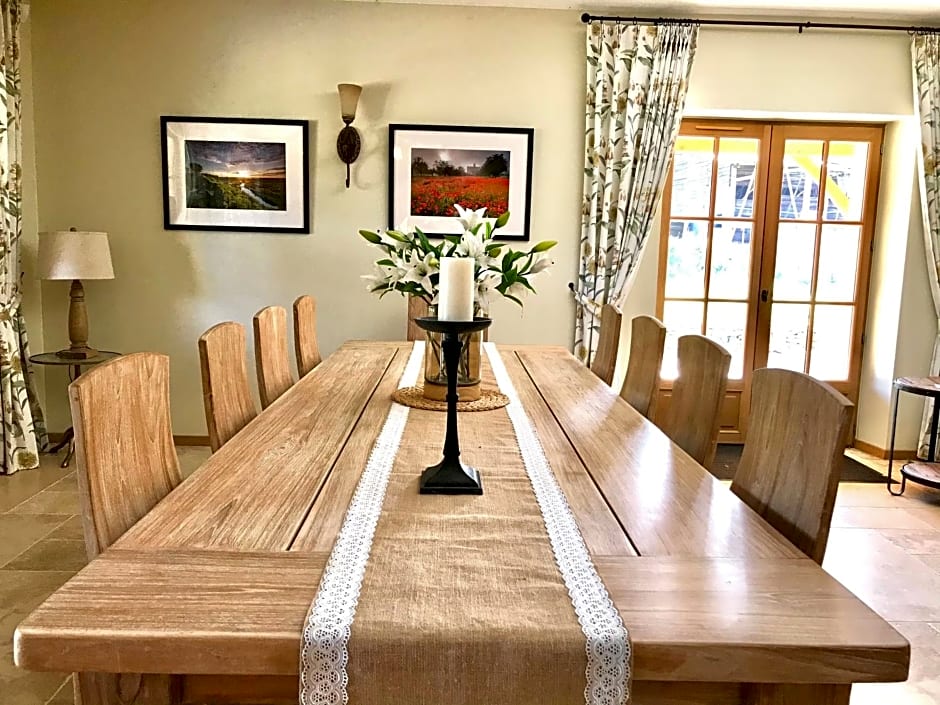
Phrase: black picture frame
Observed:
(287, 211)
(518, 142)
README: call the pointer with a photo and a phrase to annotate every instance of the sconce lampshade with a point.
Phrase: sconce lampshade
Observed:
(348, 100)
(70, 254)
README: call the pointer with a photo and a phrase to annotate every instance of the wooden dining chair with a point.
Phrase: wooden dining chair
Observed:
(306, 348)
(605, 358)
(127, 461)
(417, 308)
(272, 361)
(692, 416)
(792, 458)
(641, 385)
(225, 391)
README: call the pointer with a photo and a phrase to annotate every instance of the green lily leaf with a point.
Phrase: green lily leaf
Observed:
(544, 246)
(502, 220)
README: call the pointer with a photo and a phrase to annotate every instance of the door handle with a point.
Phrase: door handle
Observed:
(763, 295)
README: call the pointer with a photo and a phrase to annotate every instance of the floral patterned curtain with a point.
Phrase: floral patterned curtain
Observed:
(24, 432)
(925, 55)
(637, 78)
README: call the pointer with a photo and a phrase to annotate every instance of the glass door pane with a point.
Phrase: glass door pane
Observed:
(708, 255)
(816, 253)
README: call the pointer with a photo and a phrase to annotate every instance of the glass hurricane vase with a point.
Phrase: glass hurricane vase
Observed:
(468, 366)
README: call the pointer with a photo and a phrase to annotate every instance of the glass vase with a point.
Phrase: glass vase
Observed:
(468, 367)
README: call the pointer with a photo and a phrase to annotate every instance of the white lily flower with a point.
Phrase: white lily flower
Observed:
(469, 218)
(517, 290)
(541, 264)
(406, 227)
(420, 269)
(471, 246)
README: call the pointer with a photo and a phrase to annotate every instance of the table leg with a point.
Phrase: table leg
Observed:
(895, 393)
(934, 421)
(125, 689)
(793, 694)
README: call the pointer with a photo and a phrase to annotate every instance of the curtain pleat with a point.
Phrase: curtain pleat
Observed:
(925, 57)
(23, 428)
(636, 87)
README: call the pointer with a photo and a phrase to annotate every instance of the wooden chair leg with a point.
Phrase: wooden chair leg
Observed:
(125, 689)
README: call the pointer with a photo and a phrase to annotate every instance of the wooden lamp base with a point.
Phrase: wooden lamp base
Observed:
(78, 326)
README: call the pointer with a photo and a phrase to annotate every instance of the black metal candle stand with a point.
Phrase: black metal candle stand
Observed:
(450, 476)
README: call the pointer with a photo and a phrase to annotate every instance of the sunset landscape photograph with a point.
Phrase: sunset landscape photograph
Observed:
(236, 175)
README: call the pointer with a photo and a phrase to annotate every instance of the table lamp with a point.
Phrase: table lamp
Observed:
(75, 255)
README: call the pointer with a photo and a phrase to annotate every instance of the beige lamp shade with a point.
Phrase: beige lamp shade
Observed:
(71, 254)
(348, 100)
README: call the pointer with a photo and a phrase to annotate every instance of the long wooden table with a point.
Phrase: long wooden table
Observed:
(211, 588)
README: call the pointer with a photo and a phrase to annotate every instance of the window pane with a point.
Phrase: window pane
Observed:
(731, 261)
(846, 173)
(799, 190)
(725, 325)
(832, 342)
(685, 260)
(838, 262)
(793, 273)
(680, 318)
(788, 323)
(692, 176)
(737, 171)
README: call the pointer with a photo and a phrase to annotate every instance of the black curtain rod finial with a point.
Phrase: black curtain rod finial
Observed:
(585, 17)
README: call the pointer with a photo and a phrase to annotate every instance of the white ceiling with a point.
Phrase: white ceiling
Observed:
(882, 11)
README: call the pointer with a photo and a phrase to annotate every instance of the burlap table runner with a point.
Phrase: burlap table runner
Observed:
(462, 601)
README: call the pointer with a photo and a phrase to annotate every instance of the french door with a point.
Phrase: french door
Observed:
(766, 247)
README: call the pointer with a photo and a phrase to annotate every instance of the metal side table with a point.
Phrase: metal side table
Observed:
(919, 471)
(75, 369)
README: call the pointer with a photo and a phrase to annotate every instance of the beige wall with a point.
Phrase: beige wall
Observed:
(105, 75)
(106, 70)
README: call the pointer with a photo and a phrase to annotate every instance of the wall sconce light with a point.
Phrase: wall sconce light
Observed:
(348, 142)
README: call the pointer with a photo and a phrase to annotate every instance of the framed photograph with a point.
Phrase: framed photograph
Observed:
(235, 174)
(432, 167)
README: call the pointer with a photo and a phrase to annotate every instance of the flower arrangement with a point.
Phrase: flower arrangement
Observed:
(411, 263)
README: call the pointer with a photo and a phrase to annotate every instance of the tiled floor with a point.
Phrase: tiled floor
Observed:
(885, 549)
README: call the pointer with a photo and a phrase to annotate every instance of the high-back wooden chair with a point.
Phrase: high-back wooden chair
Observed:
(225, 391)
(417, 308)
(641, 385)
(789, 470)
(605, 358)
(692, 417)
(272, 361)
(306, 348)
(124, 444)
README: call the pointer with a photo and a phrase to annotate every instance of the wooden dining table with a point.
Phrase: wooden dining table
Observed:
(208, 593)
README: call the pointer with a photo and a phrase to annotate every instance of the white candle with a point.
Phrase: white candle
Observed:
(456, 289)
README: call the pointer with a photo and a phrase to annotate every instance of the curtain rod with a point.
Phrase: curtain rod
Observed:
(800, 26)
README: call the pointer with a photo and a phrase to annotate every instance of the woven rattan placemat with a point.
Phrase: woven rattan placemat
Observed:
(414, 397)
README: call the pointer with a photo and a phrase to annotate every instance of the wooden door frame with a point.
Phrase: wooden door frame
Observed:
(841, 132)
(743, 129)
(767, 195)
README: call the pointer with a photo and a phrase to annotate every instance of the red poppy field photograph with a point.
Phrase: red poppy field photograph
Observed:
(474, 178)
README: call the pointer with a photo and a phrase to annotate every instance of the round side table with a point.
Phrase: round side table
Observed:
(75, 369)
(923, 473)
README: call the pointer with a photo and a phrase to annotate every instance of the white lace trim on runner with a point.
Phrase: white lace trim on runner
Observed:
(323, 655)
(607, 642)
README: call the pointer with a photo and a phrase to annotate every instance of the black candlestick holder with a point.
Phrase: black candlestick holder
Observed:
(450, 476)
